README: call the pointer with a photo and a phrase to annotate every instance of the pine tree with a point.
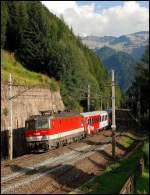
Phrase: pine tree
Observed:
(4, 22)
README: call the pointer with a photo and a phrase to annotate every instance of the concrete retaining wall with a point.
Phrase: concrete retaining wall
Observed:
(29, 103)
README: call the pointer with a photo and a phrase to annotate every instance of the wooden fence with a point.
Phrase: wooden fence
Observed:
(130, 184)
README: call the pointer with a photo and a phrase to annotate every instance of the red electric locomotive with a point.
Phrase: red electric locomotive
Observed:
(51, 130)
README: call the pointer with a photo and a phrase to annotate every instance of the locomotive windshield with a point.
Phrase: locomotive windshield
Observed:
(42, 124)
(37, 124)
(30, 124)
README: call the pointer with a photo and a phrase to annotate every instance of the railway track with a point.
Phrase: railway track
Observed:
(37, 166)
(61, 164)
(29, 174)
(57, 172)
(7, 167)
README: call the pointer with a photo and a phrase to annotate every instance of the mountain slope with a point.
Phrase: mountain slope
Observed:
(121, 62)
(44, 43)
(133, 44)
(21, 75)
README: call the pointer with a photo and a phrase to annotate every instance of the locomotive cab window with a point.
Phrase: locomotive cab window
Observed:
(30, 124)
(42, 124)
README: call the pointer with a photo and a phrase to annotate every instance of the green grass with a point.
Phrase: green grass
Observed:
(21, 75)
(114, 177)
(142, 186)
(146, 153)
(126, 141)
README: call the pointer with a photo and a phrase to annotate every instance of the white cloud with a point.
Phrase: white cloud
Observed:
(115, 21)
(58, 7)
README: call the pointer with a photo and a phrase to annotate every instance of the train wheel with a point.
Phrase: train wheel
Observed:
(57, 145)
(47, 147)
(28, 150)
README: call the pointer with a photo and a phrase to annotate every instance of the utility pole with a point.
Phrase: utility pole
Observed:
(101, 103)
(113, 118)
(88, 99)
(10, 144)
(107, 104)
(139, 106)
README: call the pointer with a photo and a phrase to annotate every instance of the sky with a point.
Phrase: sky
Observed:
(102, 18)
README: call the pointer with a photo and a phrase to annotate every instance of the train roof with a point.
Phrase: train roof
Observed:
(54, 115)
(63, 114)
(66, 114)
(93, 113)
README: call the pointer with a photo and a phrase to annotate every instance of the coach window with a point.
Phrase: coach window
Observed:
(94, 120)
(90, 121)
(97, 120)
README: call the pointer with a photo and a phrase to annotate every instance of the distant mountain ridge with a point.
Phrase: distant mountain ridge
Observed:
(133, 44)
(121, 62)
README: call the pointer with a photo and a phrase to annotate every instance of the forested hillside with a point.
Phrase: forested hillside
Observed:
(140, 86)
(121, 62)
(44, 44)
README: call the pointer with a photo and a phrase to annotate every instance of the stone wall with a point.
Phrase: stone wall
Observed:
(28, 103)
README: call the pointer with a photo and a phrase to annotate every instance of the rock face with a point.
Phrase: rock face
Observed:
(28, 103)
(133, 44)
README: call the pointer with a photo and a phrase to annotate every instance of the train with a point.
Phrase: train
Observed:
(50, 130)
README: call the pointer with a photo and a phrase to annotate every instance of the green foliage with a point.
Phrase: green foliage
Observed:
(21, 75)
(121, 62)
(141, 83)
(114, 177)
(4, 21)
(146, 153)
(126, 141)
(45, 44)
(53, 85)
(5, 111)
(142, 186)
(18, 17)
